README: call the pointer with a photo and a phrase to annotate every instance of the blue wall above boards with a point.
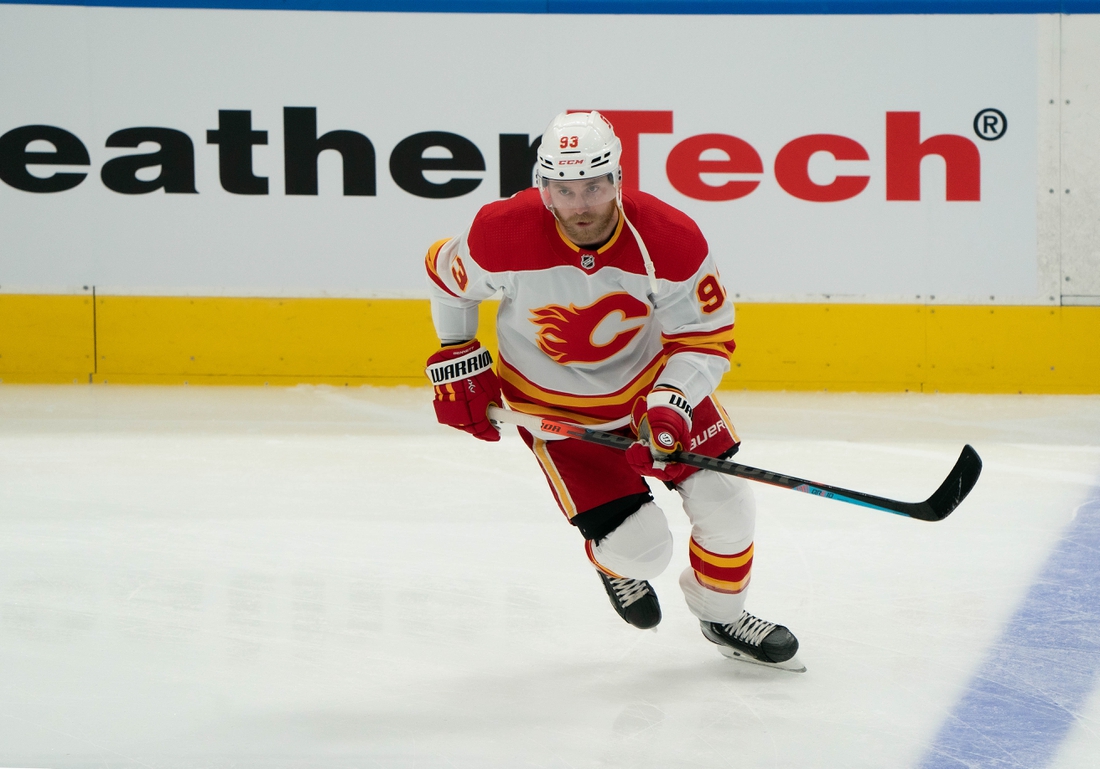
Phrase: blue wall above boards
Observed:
(759, 7)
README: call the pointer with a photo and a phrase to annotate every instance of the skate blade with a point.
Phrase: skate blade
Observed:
(793, 665)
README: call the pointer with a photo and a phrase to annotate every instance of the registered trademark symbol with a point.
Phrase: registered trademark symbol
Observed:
(990, 124)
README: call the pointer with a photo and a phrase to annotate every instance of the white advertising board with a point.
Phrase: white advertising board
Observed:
(822, 156)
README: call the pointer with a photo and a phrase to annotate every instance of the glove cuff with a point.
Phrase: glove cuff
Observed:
(462, 362)
(670, 398)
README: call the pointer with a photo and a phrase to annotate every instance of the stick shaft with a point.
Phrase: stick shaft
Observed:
(947, 497)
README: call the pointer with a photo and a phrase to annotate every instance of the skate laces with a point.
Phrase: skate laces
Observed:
(629, 590)
(749, 629)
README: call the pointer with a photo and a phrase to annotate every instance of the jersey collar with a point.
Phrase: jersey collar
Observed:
(577, 249)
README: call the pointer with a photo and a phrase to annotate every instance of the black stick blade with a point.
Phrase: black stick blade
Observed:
(953, 490)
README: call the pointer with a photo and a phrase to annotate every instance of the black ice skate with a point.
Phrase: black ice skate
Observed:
(633, 599)
(753, 640)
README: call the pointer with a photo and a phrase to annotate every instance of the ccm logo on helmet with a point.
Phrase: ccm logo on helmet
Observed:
(569, 162)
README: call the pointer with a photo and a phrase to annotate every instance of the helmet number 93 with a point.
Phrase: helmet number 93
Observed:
(567, 142)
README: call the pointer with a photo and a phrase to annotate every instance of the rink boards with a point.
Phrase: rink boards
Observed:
(849, 347)
(915, 214)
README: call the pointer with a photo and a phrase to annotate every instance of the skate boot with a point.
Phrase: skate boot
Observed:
(633, 599)
(754, 640)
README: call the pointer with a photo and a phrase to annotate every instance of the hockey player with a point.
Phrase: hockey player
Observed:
(611, 315)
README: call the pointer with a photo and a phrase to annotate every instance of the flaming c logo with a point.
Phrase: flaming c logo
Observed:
(569, 334)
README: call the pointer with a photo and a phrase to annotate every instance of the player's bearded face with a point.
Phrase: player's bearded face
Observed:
(587, 209)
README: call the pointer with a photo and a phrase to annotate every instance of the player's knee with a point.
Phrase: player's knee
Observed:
(722, 510)
(597, 523)
(640, 547)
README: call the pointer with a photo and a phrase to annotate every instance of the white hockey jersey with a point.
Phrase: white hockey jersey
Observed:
(581, 334)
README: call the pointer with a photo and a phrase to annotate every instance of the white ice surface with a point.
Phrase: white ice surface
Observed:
(324, 577)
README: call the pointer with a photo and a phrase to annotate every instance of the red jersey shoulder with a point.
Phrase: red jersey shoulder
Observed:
(510, 234)
(674, 241)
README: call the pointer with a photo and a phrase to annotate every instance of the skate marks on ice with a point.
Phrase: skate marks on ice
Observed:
(1036, 680)
(213, 577)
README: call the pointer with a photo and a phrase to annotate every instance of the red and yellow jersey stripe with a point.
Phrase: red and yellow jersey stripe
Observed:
(721, 573)
(718, 342)
(528, 397)
(431, 263)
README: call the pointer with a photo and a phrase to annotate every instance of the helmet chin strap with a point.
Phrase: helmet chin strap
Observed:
(650, 271)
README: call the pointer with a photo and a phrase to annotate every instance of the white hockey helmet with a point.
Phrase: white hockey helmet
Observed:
(578, 146)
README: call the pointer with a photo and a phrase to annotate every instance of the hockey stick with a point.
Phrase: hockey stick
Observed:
(945, 499)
